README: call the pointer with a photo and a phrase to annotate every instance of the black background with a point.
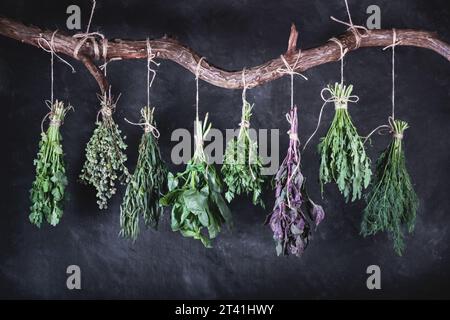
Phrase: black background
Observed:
(232, 34)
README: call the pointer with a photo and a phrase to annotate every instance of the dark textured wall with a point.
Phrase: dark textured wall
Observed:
(242, 264)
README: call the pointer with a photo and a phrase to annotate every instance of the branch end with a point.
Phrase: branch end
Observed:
(292, 43)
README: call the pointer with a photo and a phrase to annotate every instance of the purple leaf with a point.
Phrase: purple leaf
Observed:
(290, 226)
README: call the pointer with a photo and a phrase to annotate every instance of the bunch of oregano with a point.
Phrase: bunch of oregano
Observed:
(196, 195)
(392, 202)
(294, 214)
(147, 184)
(343, 158)
(47, 191)
(105, 156)
(242, 165)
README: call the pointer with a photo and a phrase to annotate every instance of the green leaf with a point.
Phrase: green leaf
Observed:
(195, 201)
(172, 182)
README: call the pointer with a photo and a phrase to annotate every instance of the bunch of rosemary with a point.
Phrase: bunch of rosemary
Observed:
(294, 213)
(196, 195)
(105, 155)
(343, 158)
(392, 202)
(242, 165)
(147, 184)
(47, 191)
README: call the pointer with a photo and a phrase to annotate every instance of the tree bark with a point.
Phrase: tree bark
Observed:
(171, 49)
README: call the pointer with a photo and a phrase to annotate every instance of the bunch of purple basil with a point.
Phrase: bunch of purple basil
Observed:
(294, 214)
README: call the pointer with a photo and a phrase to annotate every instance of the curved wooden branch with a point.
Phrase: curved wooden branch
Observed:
(95, 72)
(172, 50)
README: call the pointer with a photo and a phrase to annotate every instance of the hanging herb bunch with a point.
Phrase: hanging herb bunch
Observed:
(147, 184)
(196, 195)
(105, 155)
(294, 215)
(242, 165)
(392, 202)
(343, 158)
(47, 191)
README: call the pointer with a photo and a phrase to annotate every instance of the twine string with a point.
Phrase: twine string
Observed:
(146, 125)
(343, 53)
(291, 117)
(150, 57)
(54, 121)
(292, 122)
(340, 103)
(50, 48)
(104, 66)
(352, 27)
(108, 105)
(389, 128)
(92, 38)
(48, 103)
(393, 45)
(198, 135)
(94, 3)
(244, 123)
(288, 69)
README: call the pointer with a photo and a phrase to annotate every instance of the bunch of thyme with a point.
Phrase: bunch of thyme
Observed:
(105, 155)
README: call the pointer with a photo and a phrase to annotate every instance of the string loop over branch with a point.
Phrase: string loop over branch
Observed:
(351, 27)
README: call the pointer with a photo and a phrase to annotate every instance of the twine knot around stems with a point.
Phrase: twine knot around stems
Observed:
(108, 105)
(398, 136)
(293, 124)
(106, 111)
(244, 124)
(54, 121)
(146, 122)
(393, 127)
(352, 27)
(340, 95)
(56, 114)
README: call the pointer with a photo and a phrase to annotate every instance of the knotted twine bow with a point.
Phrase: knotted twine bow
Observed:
(50, 48)
(92, 37)
(389, 128)
(147, 115)
(339, 102)
(353, 28)
(288, 69)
